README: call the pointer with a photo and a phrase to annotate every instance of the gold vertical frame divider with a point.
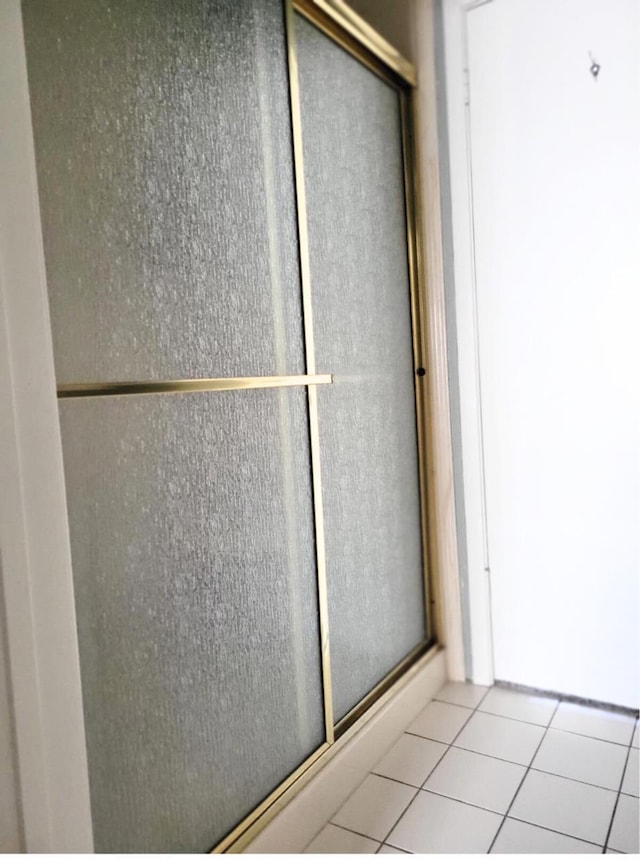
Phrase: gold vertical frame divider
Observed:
(418, 317)
(307, 310)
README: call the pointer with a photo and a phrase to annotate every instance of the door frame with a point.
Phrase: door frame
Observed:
(36, 560)
(43, 660)
(457, 71)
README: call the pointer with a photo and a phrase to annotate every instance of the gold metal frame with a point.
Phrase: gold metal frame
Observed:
(420, 355)
(352, 717)
(243, 834)
(177, 386)
(344, 26)
(314, 426)
(353, 33)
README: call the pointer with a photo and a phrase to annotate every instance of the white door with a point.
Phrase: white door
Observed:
(555, 142)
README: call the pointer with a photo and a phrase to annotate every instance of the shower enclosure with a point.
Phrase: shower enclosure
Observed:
(228, 210)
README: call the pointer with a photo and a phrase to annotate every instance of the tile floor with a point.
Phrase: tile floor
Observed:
(496, 771)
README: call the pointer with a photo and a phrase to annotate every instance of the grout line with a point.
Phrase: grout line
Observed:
(466, 706)
(495, 758)
(550, 697)
(537, 724)
(344, 802)
(420, 737)
(551, 727)
(489, 688)
(556, 831)
(482, 754)
(515, 718)
(566, 698)
(451, 704)
(431, 740)
(346, 829)
(410, 803)
(455, 737)
(462, 801)
(473, 752)
(449, 747)
(510, 806)
(397, 780)
(526, 768)
(615, 807)
(577, 780)
(399, 849)
(588, 736)
(446, 704)
(417, 793)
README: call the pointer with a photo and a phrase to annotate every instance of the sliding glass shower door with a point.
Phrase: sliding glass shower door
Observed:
(168, 207)
(227, 234)
(352, 142)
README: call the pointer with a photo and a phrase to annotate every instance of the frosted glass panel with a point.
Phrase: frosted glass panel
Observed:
(163, 149)
(193, 560)
(362, 323)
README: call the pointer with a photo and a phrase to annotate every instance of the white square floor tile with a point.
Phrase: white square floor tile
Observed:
(386, 848)
(502, 738)
(569, 807)
(439, 721)
(462, 694)
(435, 824)
(631, 783)
(626, 826)
(635, 742)
(519, 705)
(333, 839)
(583, 758)
(518, 837)
(411, 759)
(374, 807)
(593, 722)
(470, 777)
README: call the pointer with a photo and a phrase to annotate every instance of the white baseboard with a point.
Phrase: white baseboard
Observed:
(301, 820)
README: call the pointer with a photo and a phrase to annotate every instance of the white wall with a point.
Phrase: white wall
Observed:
(555, 244)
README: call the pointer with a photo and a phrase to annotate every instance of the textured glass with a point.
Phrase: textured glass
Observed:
(362, 322)
(193, 560)
(163, 148)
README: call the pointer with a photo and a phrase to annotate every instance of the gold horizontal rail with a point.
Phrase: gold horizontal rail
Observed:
(266, 804)
(181, 386)
(350, 25)
(383, 686)
(241, 837)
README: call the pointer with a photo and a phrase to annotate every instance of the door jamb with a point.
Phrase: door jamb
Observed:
(456, 18)
(36, 562)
